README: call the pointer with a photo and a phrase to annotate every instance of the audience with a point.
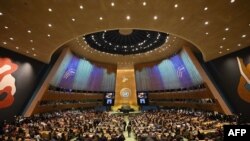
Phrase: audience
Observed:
(79, 125)
(64, 126)
(175, 125)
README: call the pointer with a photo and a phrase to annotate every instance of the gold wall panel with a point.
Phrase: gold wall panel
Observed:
(125, 91)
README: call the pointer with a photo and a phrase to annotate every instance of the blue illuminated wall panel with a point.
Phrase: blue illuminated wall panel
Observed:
(175, 72)
(80, 74)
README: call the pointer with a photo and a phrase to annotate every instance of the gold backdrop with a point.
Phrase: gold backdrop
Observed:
(125, 87)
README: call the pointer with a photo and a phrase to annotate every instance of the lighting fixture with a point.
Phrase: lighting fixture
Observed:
(81, 7)
(128, 17)
(232, 1)
(29, 31)
(206, 8)
(244, 35)
(206, 23)
(176, 5)
(182, 18)
(112, 4)
(6, 27)
(48, 35)
(221, 46)
(206, 33)
(11, 38)
(33, 48)
(50, 10)
(239, 45)
(4, 43)
(17, 48)
(144, 3)
(50, 25)
(100, 18)
(226, 29)
(155, 17)
(1, 13)
(73, 19)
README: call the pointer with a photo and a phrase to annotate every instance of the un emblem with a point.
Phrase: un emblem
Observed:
(125, 92)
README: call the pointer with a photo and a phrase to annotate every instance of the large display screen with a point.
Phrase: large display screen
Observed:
(109, 99)
(142, 98)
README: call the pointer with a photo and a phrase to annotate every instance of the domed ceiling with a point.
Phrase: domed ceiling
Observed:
(126, 41)
(38, 28)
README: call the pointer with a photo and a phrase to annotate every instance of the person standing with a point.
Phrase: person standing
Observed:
(129, 128)
(124, 125)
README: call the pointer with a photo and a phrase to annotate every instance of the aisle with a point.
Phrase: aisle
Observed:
(132, 136)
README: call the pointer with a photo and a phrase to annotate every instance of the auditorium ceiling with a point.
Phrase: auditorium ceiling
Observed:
(38, 28)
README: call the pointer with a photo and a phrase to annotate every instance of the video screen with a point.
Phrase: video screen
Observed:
(109, 99)
(142, 98)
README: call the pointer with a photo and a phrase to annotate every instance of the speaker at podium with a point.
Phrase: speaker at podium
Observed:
(126, 109)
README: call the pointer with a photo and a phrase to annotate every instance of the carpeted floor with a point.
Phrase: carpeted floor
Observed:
(132, 136)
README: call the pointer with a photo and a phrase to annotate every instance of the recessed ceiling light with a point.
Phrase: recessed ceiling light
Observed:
(29, 31)
(224, 38)
(31, 41)
(81, 7)
(100, 18)
(144, 3)
(17, 48)
(228, 49)
(220, 52)
(11, 38)
(112, 4)
(221, 46)
(1, 13)
(206, 23)
(50, 10)
(33, 48)
(239, 45)
(4, 43)
(244, 35)
(6, 27)
(155, 17)
(48, 35)
(34, 54)
(73, 19)
(226, 29)
(232, 1)
(27, 51)
(176, 5)
(182, 18)
(128, 17)
(50, 25)
(206, 8)
(206, 33)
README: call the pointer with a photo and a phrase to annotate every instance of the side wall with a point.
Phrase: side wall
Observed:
(226, 75)
(26, 75)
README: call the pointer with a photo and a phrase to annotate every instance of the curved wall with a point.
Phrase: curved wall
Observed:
(175, 72)
(77, 73)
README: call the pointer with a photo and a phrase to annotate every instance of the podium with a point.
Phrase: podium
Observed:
(126, 109)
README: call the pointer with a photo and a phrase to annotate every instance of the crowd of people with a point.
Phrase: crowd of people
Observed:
(179, 125)
(80, 125)
(64, 126)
